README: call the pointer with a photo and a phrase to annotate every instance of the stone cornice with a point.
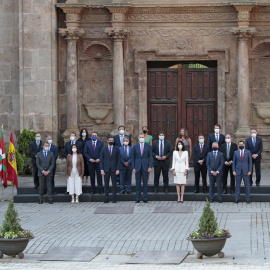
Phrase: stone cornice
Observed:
(118, 9)
(243, 32)
(117, 33)
(243, 13)
(71, 33)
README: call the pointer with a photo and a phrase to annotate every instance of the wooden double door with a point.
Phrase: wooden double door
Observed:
(182, 98)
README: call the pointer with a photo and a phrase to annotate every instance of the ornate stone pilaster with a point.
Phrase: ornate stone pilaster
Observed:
(244, 13)
(118, 35)
(244, 34)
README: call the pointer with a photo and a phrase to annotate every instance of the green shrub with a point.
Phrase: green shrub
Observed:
(24, 140)
(20, 162)
(28, 167)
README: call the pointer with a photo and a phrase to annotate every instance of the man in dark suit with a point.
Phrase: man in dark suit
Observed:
(110, 166)
(142, 165)
(67, 147)
(255, 146)
(214, 163)
(35, 147)
(216, 137)
(125, 167)
(53, 148)
(228, 149)
(92, 152)
(200, 152)
(161, 152)
(45, 164)
(242, 167)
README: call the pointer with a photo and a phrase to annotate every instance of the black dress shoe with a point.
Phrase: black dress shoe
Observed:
(118, 183)
(232, 191)
(50, 202)
(93, 192)
(129, 192)
(145, 201)
(220, 201)
(224, 191)
(122, 192)
(258, 184)
(248, 201)
(106, 200)
(114, 201)
(205, 192)
(211, 201)
(166, 191)
(54, 193)
(67, 193)
(196, 191)
(156, 191)
(40, 202)
(36, 186)
(237, 201)
(45, 191)
(138, 201)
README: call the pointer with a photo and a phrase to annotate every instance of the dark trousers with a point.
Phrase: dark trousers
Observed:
(107, 176)
(161, 166)
(238, 184)
(42, 180)
(226, 170)
(94, 169)
(125, 179)
(52, 184)
(200, 170)
(141, 173)
(212, 180)
(35, 175)
(257, 163)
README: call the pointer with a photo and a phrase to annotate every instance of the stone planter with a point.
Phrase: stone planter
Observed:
(209, 247)
(13, 247)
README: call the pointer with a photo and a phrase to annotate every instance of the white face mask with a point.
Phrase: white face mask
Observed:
(125, 143)
(180, 146)
(253, 135)
(74, 150)
(141, 140)
(121, 131)
(228, 140)
(216, 130)
(161, 138)
(72, 138)
(50, 141)
(84, 134)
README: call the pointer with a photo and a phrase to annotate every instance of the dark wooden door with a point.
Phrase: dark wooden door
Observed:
(182, 98)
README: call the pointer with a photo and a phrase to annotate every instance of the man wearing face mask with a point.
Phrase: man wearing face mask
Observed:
(242, 167)
(161, 152)
(255, 146)
(228, 150)
(52, 148)
(125, 167)
(45, 164)
(35, 147)
(92, 152)
(110, 166)
(67, 147)
(200, 152)
(216, 137)
(215, 163)
(142, 165)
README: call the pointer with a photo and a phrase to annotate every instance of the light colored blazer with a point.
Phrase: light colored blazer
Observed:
(80, 164)
(180, 164)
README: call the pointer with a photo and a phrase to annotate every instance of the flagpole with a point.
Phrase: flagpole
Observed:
(2, 194)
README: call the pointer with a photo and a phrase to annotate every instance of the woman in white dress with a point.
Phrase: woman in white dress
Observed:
(74, 172)
(180, 167)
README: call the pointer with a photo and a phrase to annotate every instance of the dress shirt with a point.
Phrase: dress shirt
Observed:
(159, 142)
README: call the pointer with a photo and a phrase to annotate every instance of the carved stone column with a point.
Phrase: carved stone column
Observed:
(72, 34)
(118, 35)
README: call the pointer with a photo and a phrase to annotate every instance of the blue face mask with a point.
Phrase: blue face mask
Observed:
(83, 134)
(94, 138)
(46, 148)
(214, 148)
(201, 140)
(37, 139)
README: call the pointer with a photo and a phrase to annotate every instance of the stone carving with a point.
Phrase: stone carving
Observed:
(181, 32)
(97, 52)
(117, 32)
(101, 113)
(263, 111)
(263, 49)
(71, 33)
(184, 44)
(96, 18)
(260, 16)
(90, 33)
(243, 32)
(262, 32)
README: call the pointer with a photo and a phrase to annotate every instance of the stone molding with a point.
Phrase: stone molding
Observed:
(117, 33)
(243, 32)
(243, 14)
(71, 33)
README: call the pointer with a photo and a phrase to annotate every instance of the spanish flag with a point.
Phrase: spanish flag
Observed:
(3, 167)
(12, 164)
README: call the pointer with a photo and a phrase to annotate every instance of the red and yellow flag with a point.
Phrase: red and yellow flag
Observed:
(3, 166)
(12, 164)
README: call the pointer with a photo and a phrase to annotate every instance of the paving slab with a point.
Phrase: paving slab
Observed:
(114, 210)
(176, 209)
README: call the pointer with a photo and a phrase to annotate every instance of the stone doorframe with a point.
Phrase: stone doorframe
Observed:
(141, 56)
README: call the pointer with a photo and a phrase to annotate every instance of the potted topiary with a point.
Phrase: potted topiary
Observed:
(209, 240)
(13, 239)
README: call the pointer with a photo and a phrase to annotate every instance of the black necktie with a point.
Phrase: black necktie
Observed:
(126, 155)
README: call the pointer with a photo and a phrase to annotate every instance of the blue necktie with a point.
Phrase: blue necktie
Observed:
(126, 155)
(45, 155)
(228, 151)
(254, 142)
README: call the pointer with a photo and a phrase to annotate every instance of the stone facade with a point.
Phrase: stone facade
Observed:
(84, 63)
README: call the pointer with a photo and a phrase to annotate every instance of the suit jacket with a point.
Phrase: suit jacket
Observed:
(34, 150)
(54, 150)
(117, 141)
(167, 152)
(197, 155)
(180, 164)
(215, 164)
(139, 161)
(258, 146)
(123, 158)
(79, 165)
(45, 165)
(244, 165)
(89, 152)
(107, 162)
(233, 148)
(67, 147)
(212, 138)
